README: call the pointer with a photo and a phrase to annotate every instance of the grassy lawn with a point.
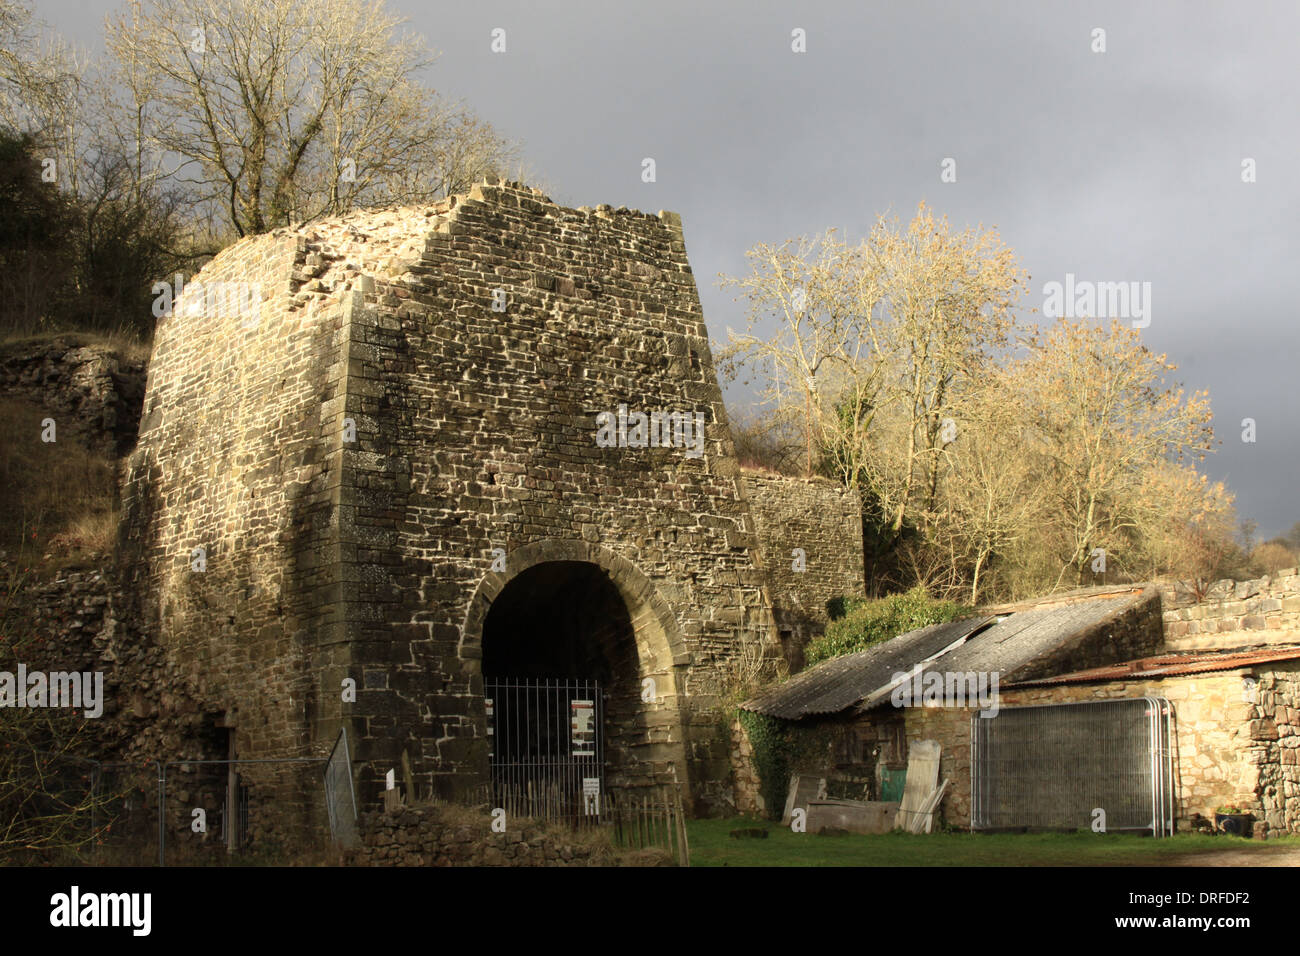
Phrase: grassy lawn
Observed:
(712, 845)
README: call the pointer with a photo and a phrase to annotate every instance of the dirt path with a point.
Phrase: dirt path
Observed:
(1260, 857)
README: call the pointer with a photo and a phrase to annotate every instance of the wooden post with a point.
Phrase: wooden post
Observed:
(409, 777)
(232, 786)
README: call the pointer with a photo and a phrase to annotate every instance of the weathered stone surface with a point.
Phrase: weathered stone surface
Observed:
(810, 536)
(1233, 613)
(93, 393)
(428, 838)
(367, 554)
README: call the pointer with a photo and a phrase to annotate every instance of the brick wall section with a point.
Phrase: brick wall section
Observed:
(1234, 613)
(825, 520)
(475, 430)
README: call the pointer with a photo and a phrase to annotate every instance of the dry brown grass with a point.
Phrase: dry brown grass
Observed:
(126, 345)
(56, 498)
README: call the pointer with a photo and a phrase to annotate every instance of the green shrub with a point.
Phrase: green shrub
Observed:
(837, 607)
(773, 750)
(866, 623)
(782, 748)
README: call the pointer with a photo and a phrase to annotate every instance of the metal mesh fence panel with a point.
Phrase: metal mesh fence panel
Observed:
(340, 795)
(1055, 766)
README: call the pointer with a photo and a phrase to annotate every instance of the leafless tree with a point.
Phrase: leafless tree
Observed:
(277, 111)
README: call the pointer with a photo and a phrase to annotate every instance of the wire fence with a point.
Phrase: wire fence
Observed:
(202, 810)
(186, 810)
(1095, 765)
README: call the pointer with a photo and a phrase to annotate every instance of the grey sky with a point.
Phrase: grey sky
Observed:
(1124, 165)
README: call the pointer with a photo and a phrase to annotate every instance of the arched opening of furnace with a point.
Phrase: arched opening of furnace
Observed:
(560, 674)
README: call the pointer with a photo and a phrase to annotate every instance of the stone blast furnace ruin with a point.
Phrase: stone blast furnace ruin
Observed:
(387, 474)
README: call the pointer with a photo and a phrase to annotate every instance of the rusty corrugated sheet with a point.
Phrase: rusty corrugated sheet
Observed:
(834, 685)
(1170, 665)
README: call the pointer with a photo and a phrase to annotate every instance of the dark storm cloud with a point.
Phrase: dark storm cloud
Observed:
(1119, 166)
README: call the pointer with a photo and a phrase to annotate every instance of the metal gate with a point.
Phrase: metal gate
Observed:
(1054, 766)
(340, 793)
(547, 748)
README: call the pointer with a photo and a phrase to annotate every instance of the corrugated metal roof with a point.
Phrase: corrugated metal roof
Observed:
(866, 678)
(1169, 665)
(1021, 638)
(840, 683)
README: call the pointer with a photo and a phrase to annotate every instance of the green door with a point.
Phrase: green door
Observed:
(891, 785)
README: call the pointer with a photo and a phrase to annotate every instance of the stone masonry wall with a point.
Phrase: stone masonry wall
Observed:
(72, 623)
(1234, 613)
(426, 836)
(825, 521)
(483, 428)
(747, 786)
(1274, 730)
(231, 460)
(332, 554)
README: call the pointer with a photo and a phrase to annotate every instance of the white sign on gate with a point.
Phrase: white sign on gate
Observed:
(582, 727)
(591, 796)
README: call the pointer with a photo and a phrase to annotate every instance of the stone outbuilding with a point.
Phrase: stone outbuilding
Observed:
(1237, 725)
(1092, 679)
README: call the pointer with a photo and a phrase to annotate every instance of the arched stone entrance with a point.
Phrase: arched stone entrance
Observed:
(570, 610)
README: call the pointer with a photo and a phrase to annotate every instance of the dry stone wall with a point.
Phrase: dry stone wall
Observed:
(92, 392)
(747, 784)
(72, 622)
(426, 836)
(1273, 727)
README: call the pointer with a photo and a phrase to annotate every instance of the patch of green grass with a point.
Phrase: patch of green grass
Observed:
(711, 845)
